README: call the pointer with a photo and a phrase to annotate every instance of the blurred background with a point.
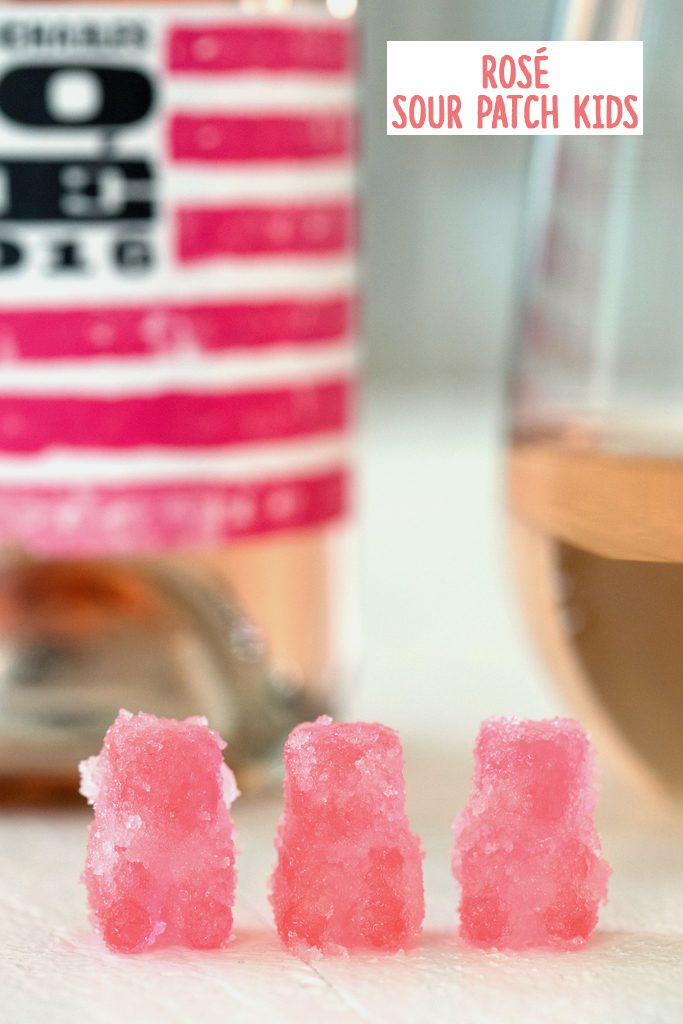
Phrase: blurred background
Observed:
(187, 431)
(440, 289)
(441, 215)
(441, 628)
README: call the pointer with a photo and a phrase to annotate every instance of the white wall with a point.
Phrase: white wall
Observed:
(440, 214)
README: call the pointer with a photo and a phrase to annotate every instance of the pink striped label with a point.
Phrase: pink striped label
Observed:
(143, 330)
(54, 520)
(32, 423)
(262, 47)
(263, 230)
(228, 138)
(176, 287)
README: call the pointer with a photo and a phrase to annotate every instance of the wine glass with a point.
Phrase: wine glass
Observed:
(595, 461)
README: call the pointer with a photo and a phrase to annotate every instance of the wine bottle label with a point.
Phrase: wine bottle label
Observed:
(176, 274)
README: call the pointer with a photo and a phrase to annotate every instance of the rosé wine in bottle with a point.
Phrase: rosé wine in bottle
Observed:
(177, 334)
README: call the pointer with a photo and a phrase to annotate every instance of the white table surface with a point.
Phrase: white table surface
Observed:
(444, 648)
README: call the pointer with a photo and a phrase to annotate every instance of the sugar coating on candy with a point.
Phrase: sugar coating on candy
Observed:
(160, 863)
(527, 854)
(349, 870)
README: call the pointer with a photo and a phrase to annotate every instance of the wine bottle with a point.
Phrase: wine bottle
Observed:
(177, 336)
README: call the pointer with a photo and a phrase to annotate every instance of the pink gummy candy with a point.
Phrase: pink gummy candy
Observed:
(349, 870)
(527, 853)
(160, 864)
